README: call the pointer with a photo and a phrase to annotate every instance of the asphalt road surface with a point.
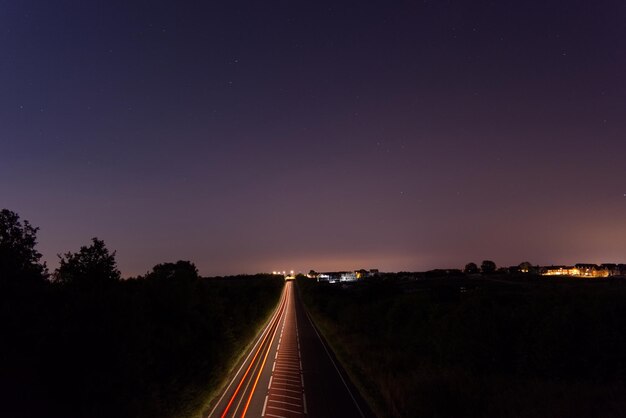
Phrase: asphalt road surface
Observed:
(290, 372)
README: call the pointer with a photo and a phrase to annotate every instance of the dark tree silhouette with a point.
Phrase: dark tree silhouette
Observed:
(89, 266)
(19, 260)
(180, 271)
(471, 268)
(525, 267)
(488, 267)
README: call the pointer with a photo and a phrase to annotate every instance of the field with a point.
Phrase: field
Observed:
(499, 346)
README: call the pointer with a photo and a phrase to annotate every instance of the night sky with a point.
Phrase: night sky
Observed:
(264, 135)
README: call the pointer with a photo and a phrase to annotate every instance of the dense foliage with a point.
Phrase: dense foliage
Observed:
(90, 345)
(19, 260)
(91, 266)
(472, 347)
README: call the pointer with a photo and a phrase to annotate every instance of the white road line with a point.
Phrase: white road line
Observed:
(292, 363)
(288, 390)
(290, 366)
(287, 370)
(286, 403)
(282, 395)
(284, 409)
(281, 386)
(264, 405)
(293, 369)
(288, 380)
(274, 416)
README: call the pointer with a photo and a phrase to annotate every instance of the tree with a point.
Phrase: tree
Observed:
(92, 265)
(488, 267)
(179, 271)
(525, 267)
(471, 268)
(19, 260)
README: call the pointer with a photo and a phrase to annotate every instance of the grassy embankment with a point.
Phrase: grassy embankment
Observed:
(138, 348)
(470, 347)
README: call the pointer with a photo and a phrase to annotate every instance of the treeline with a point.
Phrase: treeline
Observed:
(469, 347)
(82, 342)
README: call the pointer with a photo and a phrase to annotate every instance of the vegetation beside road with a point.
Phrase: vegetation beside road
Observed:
(498, 346)
(84, 343)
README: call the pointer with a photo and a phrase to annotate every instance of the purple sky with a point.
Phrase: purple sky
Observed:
(256, 136)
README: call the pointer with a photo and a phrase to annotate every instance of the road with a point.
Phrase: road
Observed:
(290, 372)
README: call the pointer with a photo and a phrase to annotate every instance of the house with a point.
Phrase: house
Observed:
(579, 270)
(612, 268)
(592, 270)
(560, 271)
(361, 274)
(348, 276)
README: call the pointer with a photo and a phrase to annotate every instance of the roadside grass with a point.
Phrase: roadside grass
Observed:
(499, 350)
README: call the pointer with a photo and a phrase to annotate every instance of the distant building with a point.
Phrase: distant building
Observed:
(579, 270)
(329, 277)
(342, 276)
(348, 276)
(362, 274)
(612, 269)
(560, 271)
(592, 270)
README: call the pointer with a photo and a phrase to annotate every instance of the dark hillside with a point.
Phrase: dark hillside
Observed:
(502, 347)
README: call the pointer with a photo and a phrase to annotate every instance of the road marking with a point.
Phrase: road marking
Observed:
(286, 387)
(269, 324)
(264, 405)
(286, 403)
(283, 409)
(245, 409)
(287, 379)
(282, 395)
(293, 373)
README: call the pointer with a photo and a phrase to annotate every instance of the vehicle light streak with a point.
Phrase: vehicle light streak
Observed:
(245, 409)
(270, 330)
